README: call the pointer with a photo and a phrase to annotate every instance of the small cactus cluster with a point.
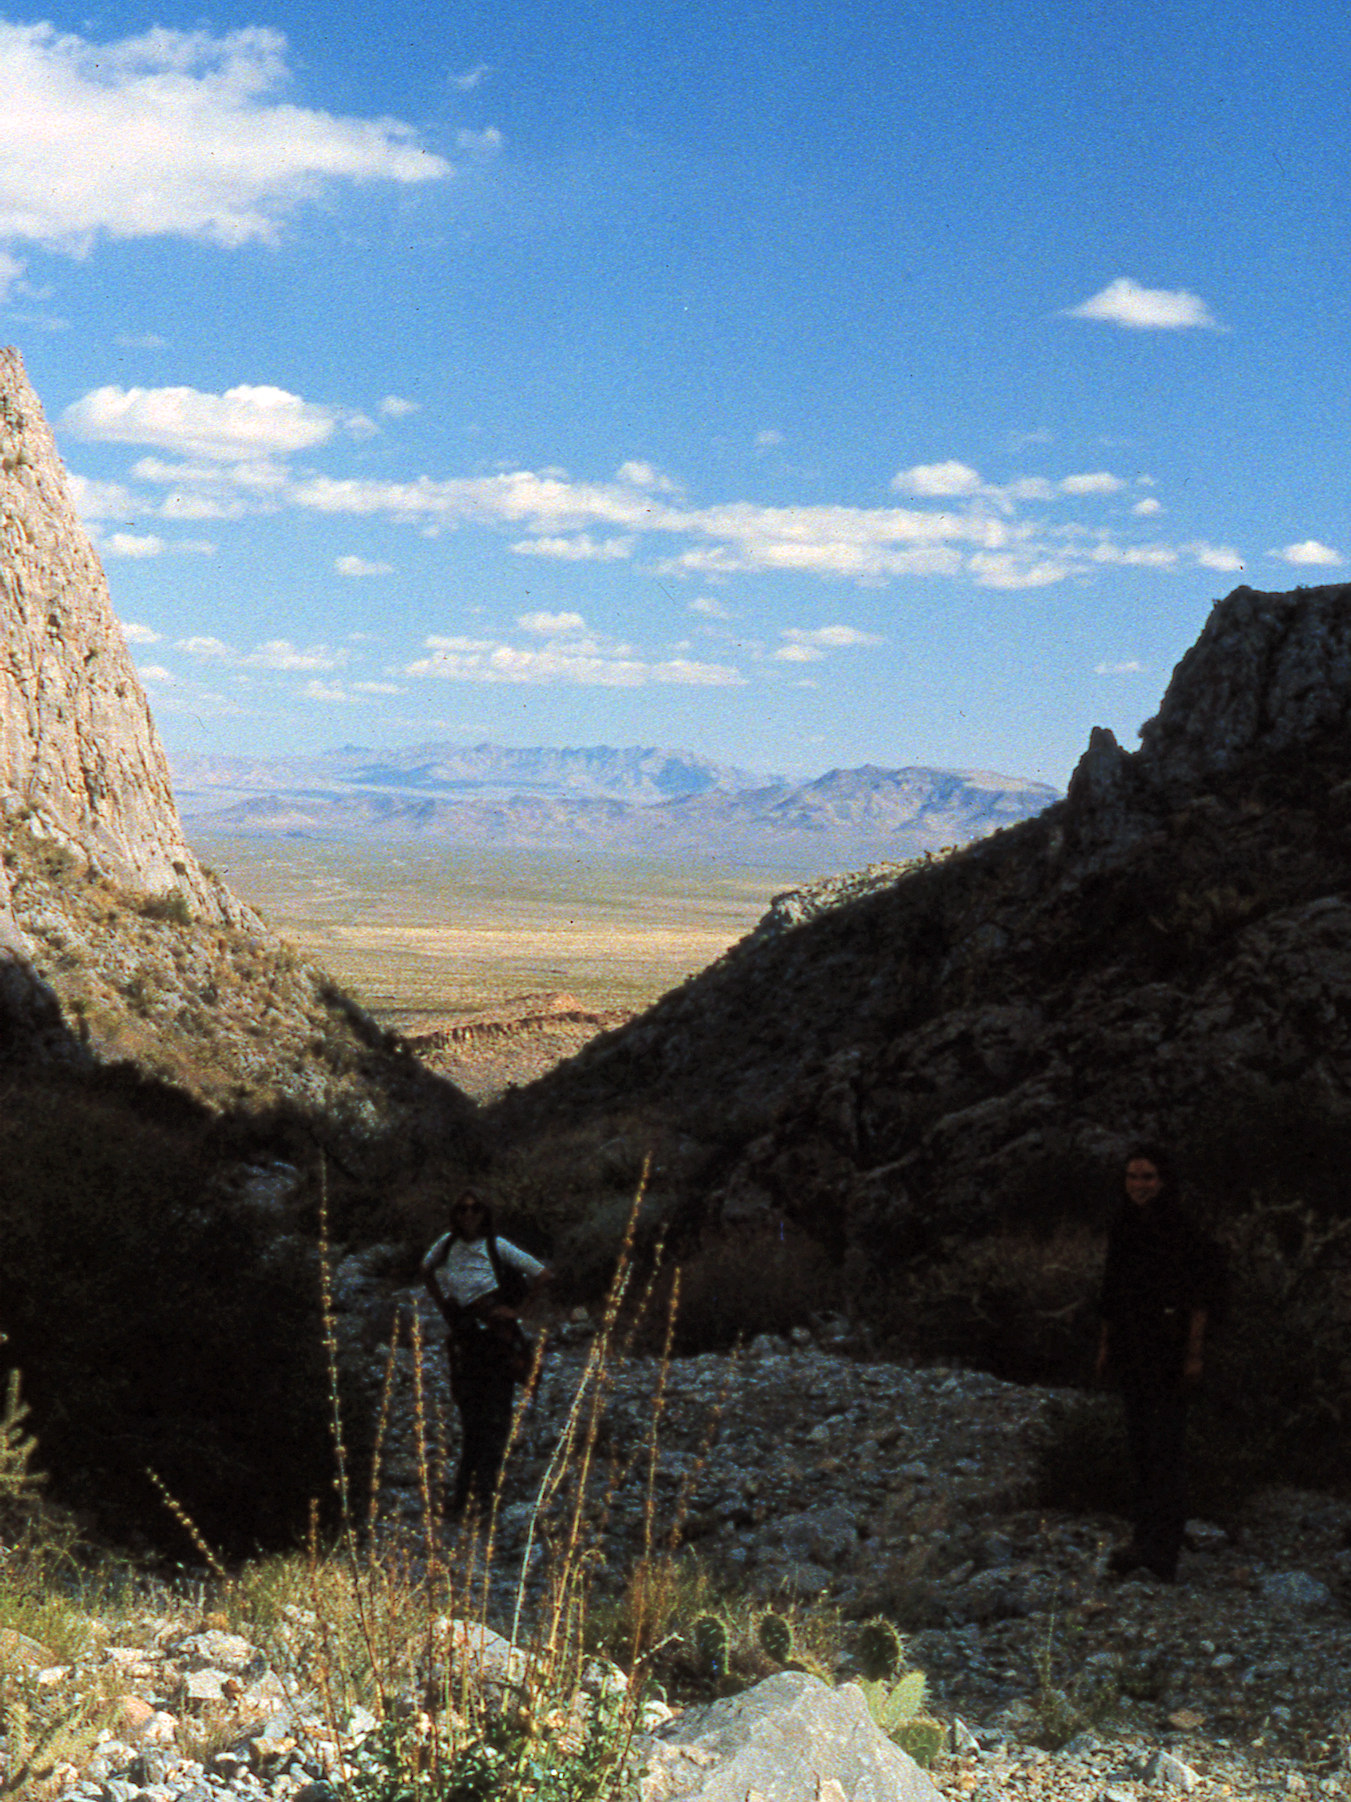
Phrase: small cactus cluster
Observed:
(895, 1697)
(775, 1637)
(880, 1651)
(709, 1641)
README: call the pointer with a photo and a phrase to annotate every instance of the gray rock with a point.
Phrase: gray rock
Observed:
(1205, 1536)
(789, 1739)
(1169, 1772)
(822, 1535)
(1296, 1589)
(963, 1741)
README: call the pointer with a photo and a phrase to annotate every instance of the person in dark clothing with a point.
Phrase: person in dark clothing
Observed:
(1159, 1292)
(479, 1283)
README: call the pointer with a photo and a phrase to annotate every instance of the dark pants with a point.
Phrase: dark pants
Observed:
(1156, 1432)
(484, 1390)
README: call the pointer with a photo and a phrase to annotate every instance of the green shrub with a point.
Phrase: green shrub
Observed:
(761, 1282)
(160, 1325)
(171, 906)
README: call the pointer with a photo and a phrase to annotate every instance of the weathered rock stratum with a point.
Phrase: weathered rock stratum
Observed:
(78, 748)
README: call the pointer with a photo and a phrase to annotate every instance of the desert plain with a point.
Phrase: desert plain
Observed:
(495, 963)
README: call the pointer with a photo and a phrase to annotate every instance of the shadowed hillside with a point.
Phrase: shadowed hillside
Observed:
(956, 1054)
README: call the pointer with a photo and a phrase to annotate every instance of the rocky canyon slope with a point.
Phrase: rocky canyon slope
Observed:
(948, 1053)
(116, 943)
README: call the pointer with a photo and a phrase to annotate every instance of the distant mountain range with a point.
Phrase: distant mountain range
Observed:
(636, 799)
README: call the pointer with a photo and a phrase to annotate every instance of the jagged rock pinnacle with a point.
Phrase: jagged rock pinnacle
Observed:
(78, 748)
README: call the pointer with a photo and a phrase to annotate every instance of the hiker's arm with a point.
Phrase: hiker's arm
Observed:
(502, 1310)
(433, 1288)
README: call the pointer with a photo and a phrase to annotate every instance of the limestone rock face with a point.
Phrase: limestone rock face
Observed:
(1267, 672)
(78, 748)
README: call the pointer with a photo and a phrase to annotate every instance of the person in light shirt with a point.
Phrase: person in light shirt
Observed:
(479, 1283)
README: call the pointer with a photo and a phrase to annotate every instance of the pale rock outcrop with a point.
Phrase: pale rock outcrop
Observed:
(78, 748)
(791, 1738)
(1268, 671)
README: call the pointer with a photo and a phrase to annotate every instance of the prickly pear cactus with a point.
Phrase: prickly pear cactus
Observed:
(708, 1638)
(880, 1650)
(775, 1635)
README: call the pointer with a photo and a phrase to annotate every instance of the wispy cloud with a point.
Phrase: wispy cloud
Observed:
(551, 622)
(581, 548)
(1124, 302)
(135, 633)
(481, 144)
(472, 78)
(393, 406)
(274, 654)
(591, 663)
(1133, 667)
(361, 566)
(959, 524)
(173, 133)
(809, 646)
(138, 546)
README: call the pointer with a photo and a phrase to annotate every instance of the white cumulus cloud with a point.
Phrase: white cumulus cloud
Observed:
(393, 406)
(173, 133)
(1124, 302)
(937, 480)
(1098, 481)
(247, 421)
(1310, 552)
(1215, 556)
(135, 633)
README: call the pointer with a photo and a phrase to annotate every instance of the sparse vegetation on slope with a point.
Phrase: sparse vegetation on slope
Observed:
(931, 1081)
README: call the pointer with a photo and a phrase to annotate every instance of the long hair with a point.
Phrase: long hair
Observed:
(488, 1230)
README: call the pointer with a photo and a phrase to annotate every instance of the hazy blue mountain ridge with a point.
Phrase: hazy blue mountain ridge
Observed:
(639, 799)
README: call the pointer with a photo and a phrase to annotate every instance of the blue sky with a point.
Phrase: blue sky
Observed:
(808, 385)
